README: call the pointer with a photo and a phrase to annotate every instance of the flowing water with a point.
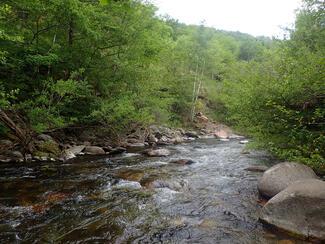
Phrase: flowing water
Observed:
(135, 199)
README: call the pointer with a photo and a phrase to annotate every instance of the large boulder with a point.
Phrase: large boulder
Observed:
(299, 209)
(280, 176)
(93, 150)
(157, 152)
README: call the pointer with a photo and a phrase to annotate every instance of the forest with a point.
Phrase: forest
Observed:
(117, 64)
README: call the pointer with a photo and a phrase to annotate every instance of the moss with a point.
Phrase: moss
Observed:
(48, 148)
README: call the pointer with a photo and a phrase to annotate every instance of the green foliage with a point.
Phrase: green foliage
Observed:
(279, 99)
(116, 63)
(112, 62)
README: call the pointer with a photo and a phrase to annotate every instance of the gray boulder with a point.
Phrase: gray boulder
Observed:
(71, 152)
(299, 209)
(280, 176)
(93, 150)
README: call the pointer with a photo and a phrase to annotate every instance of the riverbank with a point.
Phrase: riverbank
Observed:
(65, 144)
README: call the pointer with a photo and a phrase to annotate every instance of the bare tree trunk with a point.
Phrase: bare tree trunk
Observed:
(23, 136)
(196, 89)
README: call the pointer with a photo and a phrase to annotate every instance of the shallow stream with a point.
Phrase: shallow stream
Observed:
(134, 199)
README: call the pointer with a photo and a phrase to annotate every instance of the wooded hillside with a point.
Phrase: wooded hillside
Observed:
(115, 63)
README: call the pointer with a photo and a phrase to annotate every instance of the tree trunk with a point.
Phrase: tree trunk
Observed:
(23, 136)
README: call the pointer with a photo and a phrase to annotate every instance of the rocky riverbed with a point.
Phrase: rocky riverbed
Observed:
(203, 191)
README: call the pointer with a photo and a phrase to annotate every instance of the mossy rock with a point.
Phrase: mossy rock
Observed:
(48, 148)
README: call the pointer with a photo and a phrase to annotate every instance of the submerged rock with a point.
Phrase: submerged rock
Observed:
(130, 175)
(176, 185)
(183, 162)
(299, 209)
(94, 150)
(280, 176)
(157, 152)
(117, 150)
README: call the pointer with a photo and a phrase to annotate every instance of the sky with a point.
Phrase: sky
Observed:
(255, 17)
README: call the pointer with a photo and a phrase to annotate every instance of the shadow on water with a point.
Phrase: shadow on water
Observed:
(132, 198)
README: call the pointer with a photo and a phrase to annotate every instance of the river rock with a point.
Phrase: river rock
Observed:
(16, 155)
(48, 147)
(164, 140)
(299, 209)
(72, 152)
(44, 137)
(117, 150)
(152, 139)
(5, 159)
(94, 150)
(177, 140)
(132, 140)
(221, 134)
(157, 152)
(130, 175)
(176, 185)
(183, 162)
(86, 143)
(76, 149)
(138, 144)
(192, 134)
(280, 176)
(244, 142)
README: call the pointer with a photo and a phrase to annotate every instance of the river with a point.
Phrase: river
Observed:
(134, 199)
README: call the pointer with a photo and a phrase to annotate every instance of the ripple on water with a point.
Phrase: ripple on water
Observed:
(211, 201)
